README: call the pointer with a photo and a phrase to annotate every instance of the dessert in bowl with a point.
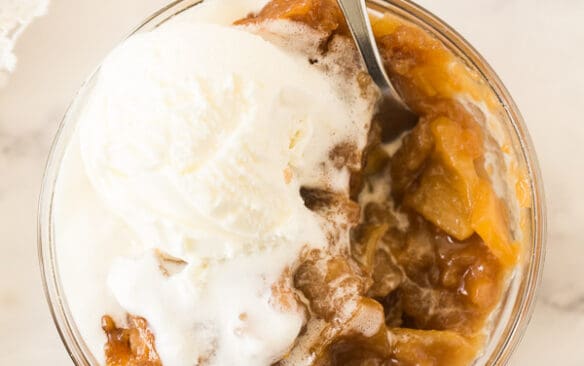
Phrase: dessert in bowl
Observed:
(223, 192)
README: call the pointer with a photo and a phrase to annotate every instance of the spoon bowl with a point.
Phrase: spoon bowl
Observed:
(391, 110)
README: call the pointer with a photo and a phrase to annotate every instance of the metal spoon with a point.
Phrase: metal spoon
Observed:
(392, 111)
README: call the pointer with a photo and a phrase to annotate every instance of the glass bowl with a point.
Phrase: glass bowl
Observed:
(508, 322)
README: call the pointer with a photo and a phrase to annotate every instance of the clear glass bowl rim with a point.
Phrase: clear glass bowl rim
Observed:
(498, 349)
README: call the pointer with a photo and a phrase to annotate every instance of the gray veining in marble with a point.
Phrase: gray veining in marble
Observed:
(535, 46)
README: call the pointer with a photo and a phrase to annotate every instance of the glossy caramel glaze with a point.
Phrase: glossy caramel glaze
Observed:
(131, 346)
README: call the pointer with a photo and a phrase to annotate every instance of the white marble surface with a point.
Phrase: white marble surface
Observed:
(535, 45)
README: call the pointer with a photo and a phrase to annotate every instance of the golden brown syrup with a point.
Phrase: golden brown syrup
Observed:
(131, 346)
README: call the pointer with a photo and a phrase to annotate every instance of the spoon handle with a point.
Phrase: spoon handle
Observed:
(355, 12)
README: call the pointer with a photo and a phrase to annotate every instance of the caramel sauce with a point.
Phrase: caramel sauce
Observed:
(131, 346)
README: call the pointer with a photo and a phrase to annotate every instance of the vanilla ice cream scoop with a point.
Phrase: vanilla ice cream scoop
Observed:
(197, 132)
(198, 137)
